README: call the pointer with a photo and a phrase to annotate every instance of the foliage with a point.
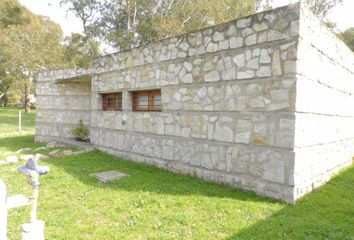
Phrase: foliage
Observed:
(28, 42)
(321, 8)
(32, 46)
(187, 15)
(124, 24)
(86, 11)
(11, 13)
(80, 50)
(155, 204)
(81, 131)
(348, 37)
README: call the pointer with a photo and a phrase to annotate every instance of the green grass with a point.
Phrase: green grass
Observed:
(9, 127)
(9, 147)
(155, 204)
(9, 121)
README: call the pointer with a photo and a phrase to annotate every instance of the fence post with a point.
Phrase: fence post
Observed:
(3, 211)
(19, 120)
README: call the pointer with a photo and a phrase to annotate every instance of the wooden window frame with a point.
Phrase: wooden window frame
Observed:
(117, 98)
(150, 94)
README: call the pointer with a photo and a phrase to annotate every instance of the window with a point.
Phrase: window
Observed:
(147, 100)
(112, 101)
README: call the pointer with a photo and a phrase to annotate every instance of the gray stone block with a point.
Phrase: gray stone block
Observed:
(109, 175)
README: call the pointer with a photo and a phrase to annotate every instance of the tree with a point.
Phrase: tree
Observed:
(80, 50)
(128, 23)
(29, 42)
(27, 47)
(348, 37)
(11, 13)
(185, 16)
(321, 8)
(87, 11)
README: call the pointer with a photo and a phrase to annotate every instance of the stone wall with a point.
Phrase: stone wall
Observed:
(238, 103)
(61, 102)
(228, 94)
(324, 135)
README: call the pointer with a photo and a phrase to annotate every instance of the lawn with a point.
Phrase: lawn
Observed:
(156, 204)
(9, 121)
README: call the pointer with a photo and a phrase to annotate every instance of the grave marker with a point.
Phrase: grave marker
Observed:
(3, 211)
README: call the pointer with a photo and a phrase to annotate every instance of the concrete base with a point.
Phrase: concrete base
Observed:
(109, 176)
(67, 142)
(33, 231)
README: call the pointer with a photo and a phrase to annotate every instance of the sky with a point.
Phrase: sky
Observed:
(341, 15)
(52, 9)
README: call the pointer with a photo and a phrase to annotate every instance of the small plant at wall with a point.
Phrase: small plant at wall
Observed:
(81, 132)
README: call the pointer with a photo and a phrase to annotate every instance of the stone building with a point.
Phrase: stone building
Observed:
(263, 103)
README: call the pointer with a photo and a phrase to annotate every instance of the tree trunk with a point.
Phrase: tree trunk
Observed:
(128, 15)
(3, 100)
(27, 99)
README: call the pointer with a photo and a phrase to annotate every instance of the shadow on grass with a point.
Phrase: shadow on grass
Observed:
(144, 177)
(15, 143)
(327, 213)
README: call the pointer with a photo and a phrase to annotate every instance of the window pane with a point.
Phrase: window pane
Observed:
(149, 100)
(110, 103)
(157, 101)
(143, 102)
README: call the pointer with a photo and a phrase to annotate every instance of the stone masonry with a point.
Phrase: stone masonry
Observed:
(264, 103)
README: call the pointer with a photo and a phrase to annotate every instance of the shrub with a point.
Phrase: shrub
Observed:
(81, 132)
